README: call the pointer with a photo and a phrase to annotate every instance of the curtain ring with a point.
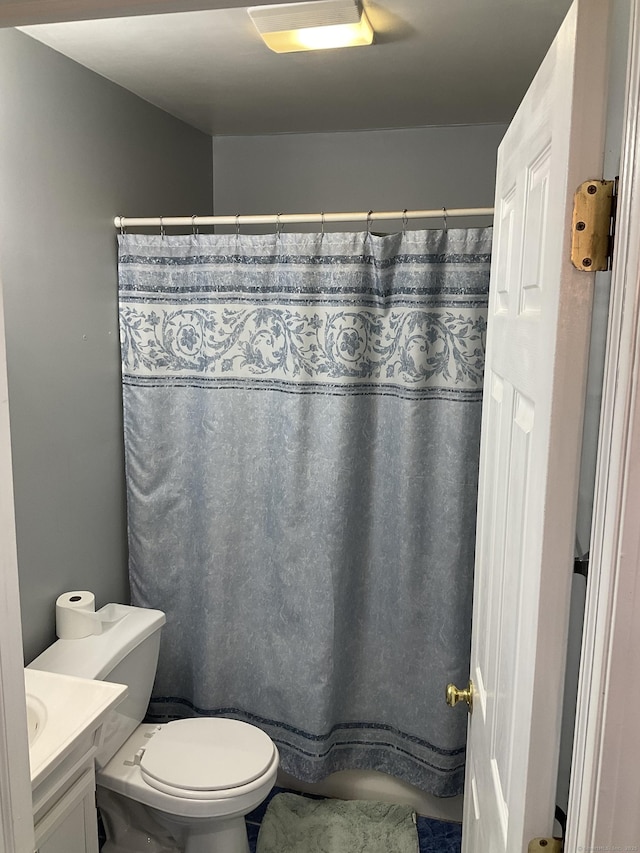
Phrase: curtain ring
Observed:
(123, 230)
(278, 225)
(444, 216)
(193, 226)
(322, 221)
(237, 249)
(405, 221)
(369, 215)
(162, 231)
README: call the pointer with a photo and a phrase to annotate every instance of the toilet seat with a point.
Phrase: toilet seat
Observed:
(122, 775)
(195, 758)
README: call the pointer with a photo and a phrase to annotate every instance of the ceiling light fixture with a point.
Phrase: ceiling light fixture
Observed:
(317, 25)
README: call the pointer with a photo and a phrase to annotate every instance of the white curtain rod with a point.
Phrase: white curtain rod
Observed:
(292, 218)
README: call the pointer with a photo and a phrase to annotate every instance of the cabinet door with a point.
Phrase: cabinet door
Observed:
(76, 830)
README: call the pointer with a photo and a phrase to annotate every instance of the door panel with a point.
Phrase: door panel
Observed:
(537, 344)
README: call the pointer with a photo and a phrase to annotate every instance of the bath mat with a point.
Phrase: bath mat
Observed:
(295, 824)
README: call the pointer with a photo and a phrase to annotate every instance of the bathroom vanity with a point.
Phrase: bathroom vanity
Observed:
(66, 718)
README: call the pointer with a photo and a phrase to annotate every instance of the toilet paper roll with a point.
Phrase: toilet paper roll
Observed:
(76, 616)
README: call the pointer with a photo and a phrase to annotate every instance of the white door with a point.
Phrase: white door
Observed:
(537, 343)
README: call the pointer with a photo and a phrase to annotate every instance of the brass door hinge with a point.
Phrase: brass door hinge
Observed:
(593, 225)
(545, 845)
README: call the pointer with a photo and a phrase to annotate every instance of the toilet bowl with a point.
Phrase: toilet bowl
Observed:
(182, 786)
(198, 778)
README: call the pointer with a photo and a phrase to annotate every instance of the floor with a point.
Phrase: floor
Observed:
(435, 836)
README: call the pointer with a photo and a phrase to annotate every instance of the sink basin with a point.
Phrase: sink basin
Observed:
(64, 715)
(36, 717)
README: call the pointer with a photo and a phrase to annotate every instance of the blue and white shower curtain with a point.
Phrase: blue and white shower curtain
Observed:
(302, 420)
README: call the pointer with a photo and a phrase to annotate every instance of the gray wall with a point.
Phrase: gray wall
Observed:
(75, 150)
(418, 168)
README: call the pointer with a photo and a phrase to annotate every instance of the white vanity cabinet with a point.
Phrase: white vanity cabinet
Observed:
(71, 826)
(76, 834)
(66, 717)
(64, 803)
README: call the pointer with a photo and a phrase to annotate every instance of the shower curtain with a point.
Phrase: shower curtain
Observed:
(302, 420)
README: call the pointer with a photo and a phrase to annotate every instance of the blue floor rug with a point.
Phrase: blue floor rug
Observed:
(435, 836)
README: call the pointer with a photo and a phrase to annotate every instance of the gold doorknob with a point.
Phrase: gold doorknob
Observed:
(454, 695)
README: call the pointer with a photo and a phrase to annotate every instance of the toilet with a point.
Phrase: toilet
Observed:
(179, 786)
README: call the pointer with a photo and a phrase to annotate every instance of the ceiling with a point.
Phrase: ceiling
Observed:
(434, 62)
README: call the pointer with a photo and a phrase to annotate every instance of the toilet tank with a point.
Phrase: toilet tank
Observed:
(126, 652)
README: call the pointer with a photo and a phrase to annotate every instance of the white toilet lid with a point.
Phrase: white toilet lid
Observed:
(206, 754)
